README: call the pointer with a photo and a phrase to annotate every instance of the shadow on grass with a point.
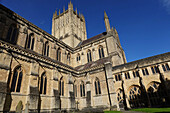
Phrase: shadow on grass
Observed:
(153, 110)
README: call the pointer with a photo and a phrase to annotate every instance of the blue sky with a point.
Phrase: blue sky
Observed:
(143, 25)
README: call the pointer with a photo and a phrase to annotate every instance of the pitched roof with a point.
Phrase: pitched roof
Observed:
(93, 64)
(92, 39)
(144, 62)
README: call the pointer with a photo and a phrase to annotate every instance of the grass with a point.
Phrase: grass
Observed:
(152, 110)
(147, 110)
(112, 112)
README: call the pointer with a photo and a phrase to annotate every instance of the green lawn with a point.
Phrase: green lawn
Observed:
(112, 112)
(147, 110)
(152, 110)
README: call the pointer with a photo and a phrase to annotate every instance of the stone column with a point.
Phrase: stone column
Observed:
(71, 101)
(124, 91)
(88, 90)
(5, 65)
(110, 86)
(34, 97)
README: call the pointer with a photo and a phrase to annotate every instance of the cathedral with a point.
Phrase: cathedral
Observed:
(66, 72)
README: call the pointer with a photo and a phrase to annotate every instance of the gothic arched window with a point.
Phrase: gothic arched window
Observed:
(58, 54)
(89, 57)
(165, 67)
(61, 87)
(82, 89)
(101, 52)
(97, 86)
(17, 80)
(30, 42)
(46, 49)
(43, 84)
(145, 71)
(119, 95)
(135, 97)
(135, 74)
(78, 57)
(68, 57)
(75, 89)
(154, 69)
(12, 34)
(127, 75)
(118, 77)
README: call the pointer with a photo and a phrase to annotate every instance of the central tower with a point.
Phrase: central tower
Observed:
(69, 26)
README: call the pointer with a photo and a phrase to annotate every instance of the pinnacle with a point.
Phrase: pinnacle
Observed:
(105, 15)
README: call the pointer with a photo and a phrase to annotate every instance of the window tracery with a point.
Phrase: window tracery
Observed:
(97, 86)
(17, 80)
(30, 41)
(101, 52)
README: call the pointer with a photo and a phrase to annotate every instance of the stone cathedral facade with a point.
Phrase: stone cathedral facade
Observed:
(65, 71)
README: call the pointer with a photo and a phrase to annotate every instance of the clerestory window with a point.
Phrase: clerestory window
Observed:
(89, 57)
(101, 52)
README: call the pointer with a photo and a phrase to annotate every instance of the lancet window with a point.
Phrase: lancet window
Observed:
(101, 52)
(78, 57)
(43, 84)
(82, 89)
(30, 41)
(165, 67)
(97, 86)
(145, 71)
(58, 54)
(155, 69)
(61, 87)
(12, 33)
(46, 49)
(89, 57)
(17, 80)
(127, 75)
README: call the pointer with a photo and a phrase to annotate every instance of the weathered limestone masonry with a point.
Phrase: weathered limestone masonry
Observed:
(144, 83)
(66, 71)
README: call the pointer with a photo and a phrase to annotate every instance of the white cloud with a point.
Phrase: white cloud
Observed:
(166, 4)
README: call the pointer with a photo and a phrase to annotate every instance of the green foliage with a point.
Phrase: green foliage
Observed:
(152, 110)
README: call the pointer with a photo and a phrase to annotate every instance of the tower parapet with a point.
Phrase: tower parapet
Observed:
(69, 26)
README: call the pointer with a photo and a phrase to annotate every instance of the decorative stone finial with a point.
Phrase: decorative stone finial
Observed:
(63, 9)
(76, 10)
(115, 30)
(105, 15)
(59, 12)
(70, 6)
(83, 17)
(55, 14)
